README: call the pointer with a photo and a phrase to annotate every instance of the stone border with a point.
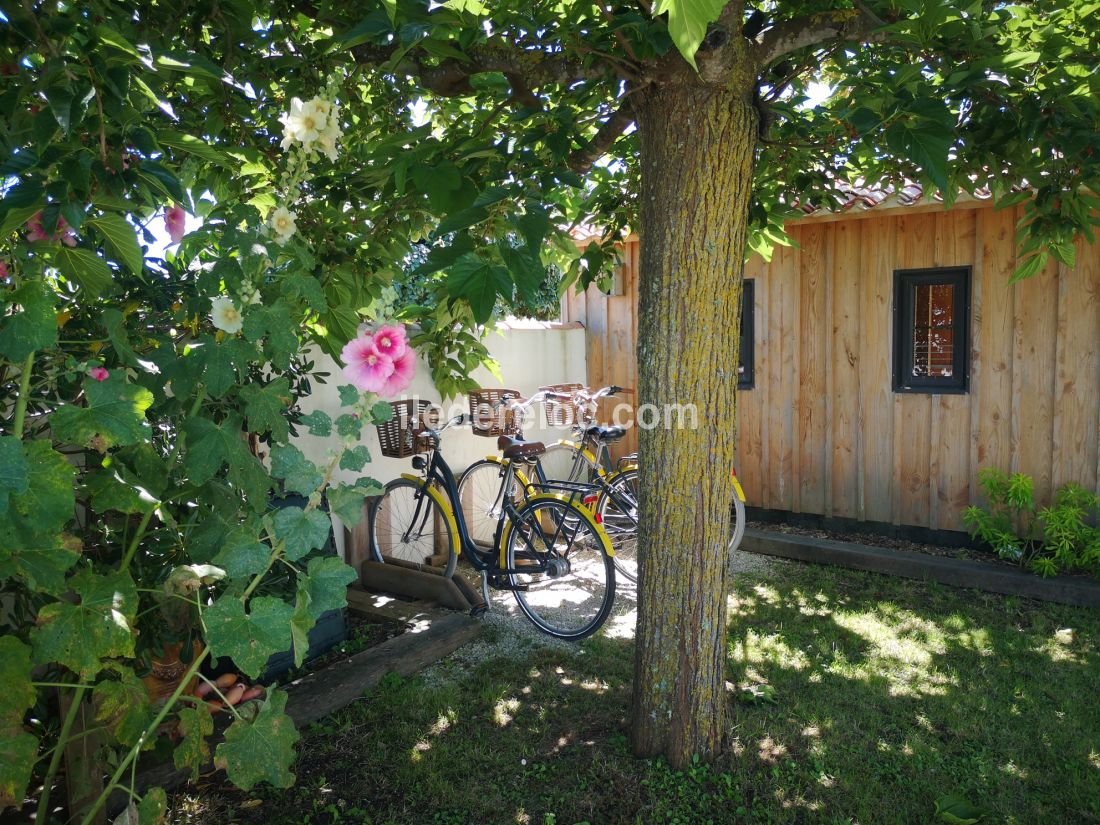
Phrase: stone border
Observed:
(994, 578)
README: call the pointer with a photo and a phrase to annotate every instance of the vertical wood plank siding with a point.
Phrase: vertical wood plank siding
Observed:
(823, 432)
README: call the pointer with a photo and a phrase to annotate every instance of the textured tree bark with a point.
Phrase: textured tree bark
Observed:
(697, 142)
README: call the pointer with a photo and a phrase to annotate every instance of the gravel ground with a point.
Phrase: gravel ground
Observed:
(508, 633)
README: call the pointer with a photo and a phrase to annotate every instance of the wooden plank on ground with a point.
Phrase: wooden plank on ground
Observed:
(325, 691)
(387, 607)
(419, 583)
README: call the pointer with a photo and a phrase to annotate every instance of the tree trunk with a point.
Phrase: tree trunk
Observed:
(697, 145)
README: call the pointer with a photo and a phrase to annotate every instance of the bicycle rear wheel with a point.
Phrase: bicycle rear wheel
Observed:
(562, 462)
(407, 525)
(618, 508)
(571, 592)
(479, 493)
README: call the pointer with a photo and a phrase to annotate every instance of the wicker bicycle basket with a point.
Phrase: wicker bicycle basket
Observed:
(489, 418)
(559, 412)
(398, 437)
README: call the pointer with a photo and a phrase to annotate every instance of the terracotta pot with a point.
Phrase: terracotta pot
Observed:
(168, 671)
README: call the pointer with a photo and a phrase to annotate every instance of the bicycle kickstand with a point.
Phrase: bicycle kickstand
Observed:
(483, 608)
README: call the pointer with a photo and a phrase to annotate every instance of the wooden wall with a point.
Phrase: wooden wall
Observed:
(822, 431)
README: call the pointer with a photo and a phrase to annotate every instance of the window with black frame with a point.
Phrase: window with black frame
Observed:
(931, 330)
(746, 362)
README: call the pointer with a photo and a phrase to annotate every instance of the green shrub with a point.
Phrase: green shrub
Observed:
(1063, 537)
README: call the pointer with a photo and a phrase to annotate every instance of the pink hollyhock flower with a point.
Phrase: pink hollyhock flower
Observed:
(36, 232)
(4, 274)
(67, 236)
(364, 365)
(175, 221)
(390, 340)
(98, 373)
(404, 369)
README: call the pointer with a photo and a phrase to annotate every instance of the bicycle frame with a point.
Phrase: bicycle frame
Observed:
(439, 473)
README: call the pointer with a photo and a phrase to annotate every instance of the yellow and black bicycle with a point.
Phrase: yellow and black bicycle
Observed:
(583, 459)
(547, 548)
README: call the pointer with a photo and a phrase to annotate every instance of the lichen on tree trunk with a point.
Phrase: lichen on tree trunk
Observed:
(697, 144)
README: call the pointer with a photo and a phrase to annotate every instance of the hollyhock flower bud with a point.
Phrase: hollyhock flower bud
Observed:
(175, 222)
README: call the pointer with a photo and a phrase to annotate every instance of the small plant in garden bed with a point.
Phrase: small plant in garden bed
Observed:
(1061, 538)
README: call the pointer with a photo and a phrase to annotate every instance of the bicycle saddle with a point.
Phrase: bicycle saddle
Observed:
(605, 433)
(517, 450)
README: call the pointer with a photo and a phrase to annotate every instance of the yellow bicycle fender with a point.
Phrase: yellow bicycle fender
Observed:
(737, 488)
(444, 507)
(585, 514)
(521, 477)
(611, 478)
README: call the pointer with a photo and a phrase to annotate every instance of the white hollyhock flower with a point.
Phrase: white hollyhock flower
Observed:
(305, 121)
(225, 315)
(282, 222)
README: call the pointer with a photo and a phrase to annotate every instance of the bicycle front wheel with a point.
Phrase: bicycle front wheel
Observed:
(407, 525)
(738, 522)
(618, 509)
(571, 587)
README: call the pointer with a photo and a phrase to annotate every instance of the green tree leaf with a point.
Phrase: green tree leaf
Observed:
(34, 327)
(265, 405)
(249, 639)
(479, 283)
(115, 412)
(299, 474)
(688, 21)
(84, 268)
(79, 636)
(349, 426)
(300, 625)
(349, 395)
(260, 750)
(153, 808)
(193, 752)
(212, 446)
(326, 581)
(121, 240)
(302, 530)
(226, 363)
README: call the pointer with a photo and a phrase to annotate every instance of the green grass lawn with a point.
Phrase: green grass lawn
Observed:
(888, 694)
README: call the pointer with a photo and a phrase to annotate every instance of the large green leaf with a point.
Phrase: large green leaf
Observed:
(121, 240)
(212, 446)
(32, 328)
(265, 407)
(479, 282)
(17, 751)
(79, 636)
(688, 21)
(318, 422)
(123, 706)
(261, 749)
(13, 469)
(302, 530)
(326, 581)
(18, 694)
(299, 474)
(249, 639)
(114, 415)
(84, 268)
(242, 553)
(192, 752)
(346, 500)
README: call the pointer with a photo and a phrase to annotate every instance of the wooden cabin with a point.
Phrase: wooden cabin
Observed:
(889, 360)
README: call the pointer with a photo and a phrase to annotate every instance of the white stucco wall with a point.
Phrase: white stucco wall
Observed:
(529, 355)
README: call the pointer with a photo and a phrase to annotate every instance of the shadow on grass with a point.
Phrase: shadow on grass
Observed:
(889, 694)
(892, 693)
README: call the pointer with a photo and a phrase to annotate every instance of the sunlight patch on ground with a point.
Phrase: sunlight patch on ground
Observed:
(505, 710)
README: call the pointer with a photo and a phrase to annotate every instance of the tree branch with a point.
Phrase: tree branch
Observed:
(858, 24)
(581, 160)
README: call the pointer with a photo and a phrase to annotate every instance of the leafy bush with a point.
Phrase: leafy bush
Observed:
(1063, 537)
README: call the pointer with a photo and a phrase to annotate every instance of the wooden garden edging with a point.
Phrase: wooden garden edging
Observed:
(994, 578)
